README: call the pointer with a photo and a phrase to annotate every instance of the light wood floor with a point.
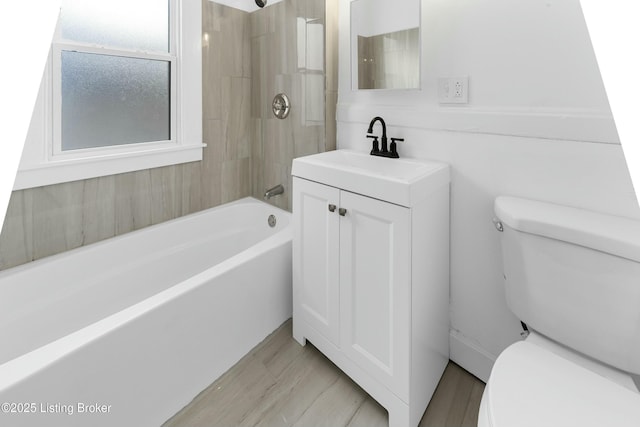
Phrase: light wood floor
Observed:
(280, 384)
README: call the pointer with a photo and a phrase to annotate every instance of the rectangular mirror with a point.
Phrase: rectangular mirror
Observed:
(385, 44)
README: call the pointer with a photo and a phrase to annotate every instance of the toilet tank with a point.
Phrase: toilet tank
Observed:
(574, 276)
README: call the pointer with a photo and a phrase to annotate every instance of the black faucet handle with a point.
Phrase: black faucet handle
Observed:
(374, 145)
(393, 150)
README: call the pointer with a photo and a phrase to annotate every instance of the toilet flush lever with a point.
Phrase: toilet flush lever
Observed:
(498, 224)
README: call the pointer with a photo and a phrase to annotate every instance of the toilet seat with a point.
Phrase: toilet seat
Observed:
(531, 386)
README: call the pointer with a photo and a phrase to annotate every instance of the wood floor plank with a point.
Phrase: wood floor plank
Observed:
(370, 414)
(300, 384)
(438, 409)
(229, 399)
(282, 384)
(460, 400)
(279, 350)
(473, 406)
(336, 406)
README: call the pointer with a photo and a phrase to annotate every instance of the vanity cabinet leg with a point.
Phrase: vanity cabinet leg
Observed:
(399, 416)
(298, 335)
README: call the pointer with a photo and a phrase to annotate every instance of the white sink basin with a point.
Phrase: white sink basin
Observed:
(401, 181)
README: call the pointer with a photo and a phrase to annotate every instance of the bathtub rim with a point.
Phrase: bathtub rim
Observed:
(8, 272)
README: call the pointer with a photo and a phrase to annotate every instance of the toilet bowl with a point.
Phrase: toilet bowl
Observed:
(573, 277)
(531, 385)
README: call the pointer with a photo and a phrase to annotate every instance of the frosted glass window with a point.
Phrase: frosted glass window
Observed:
(111, 100)
(128, 24)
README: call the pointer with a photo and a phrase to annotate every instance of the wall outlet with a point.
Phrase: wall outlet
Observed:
(453, 90)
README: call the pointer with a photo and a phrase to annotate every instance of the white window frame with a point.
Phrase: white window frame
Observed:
(43, 161)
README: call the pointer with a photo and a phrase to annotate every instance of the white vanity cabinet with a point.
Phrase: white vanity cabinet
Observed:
(371, 277)
(354, 266)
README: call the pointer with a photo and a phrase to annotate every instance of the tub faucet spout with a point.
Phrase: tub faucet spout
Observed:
(278, 189)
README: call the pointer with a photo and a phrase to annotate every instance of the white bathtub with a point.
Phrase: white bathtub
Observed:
(127, 331)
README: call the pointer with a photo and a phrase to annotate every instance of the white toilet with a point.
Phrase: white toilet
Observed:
(573, 277)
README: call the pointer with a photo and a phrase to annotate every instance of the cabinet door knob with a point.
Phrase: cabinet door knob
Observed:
(332, 208)
(342, 211)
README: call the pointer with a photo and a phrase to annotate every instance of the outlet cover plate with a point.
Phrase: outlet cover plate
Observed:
(453, 90)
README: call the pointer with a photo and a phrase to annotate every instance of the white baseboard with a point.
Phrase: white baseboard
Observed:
(468, 355)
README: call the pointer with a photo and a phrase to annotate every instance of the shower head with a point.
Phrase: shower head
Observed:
(261, 3)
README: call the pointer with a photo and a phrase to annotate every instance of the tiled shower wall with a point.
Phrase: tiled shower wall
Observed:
(241, 157)
(288, 55)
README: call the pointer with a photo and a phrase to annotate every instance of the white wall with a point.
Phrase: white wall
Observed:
(537, 125)
(21, 82)
(375, 17)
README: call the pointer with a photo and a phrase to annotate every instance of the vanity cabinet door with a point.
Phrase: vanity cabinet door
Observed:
(375, 283)
(315, 257)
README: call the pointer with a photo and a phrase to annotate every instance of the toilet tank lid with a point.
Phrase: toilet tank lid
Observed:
(607, 233)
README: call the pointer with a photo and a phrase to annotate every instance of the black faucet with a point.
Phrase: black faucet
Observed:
(374, 151)
(382, 152)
